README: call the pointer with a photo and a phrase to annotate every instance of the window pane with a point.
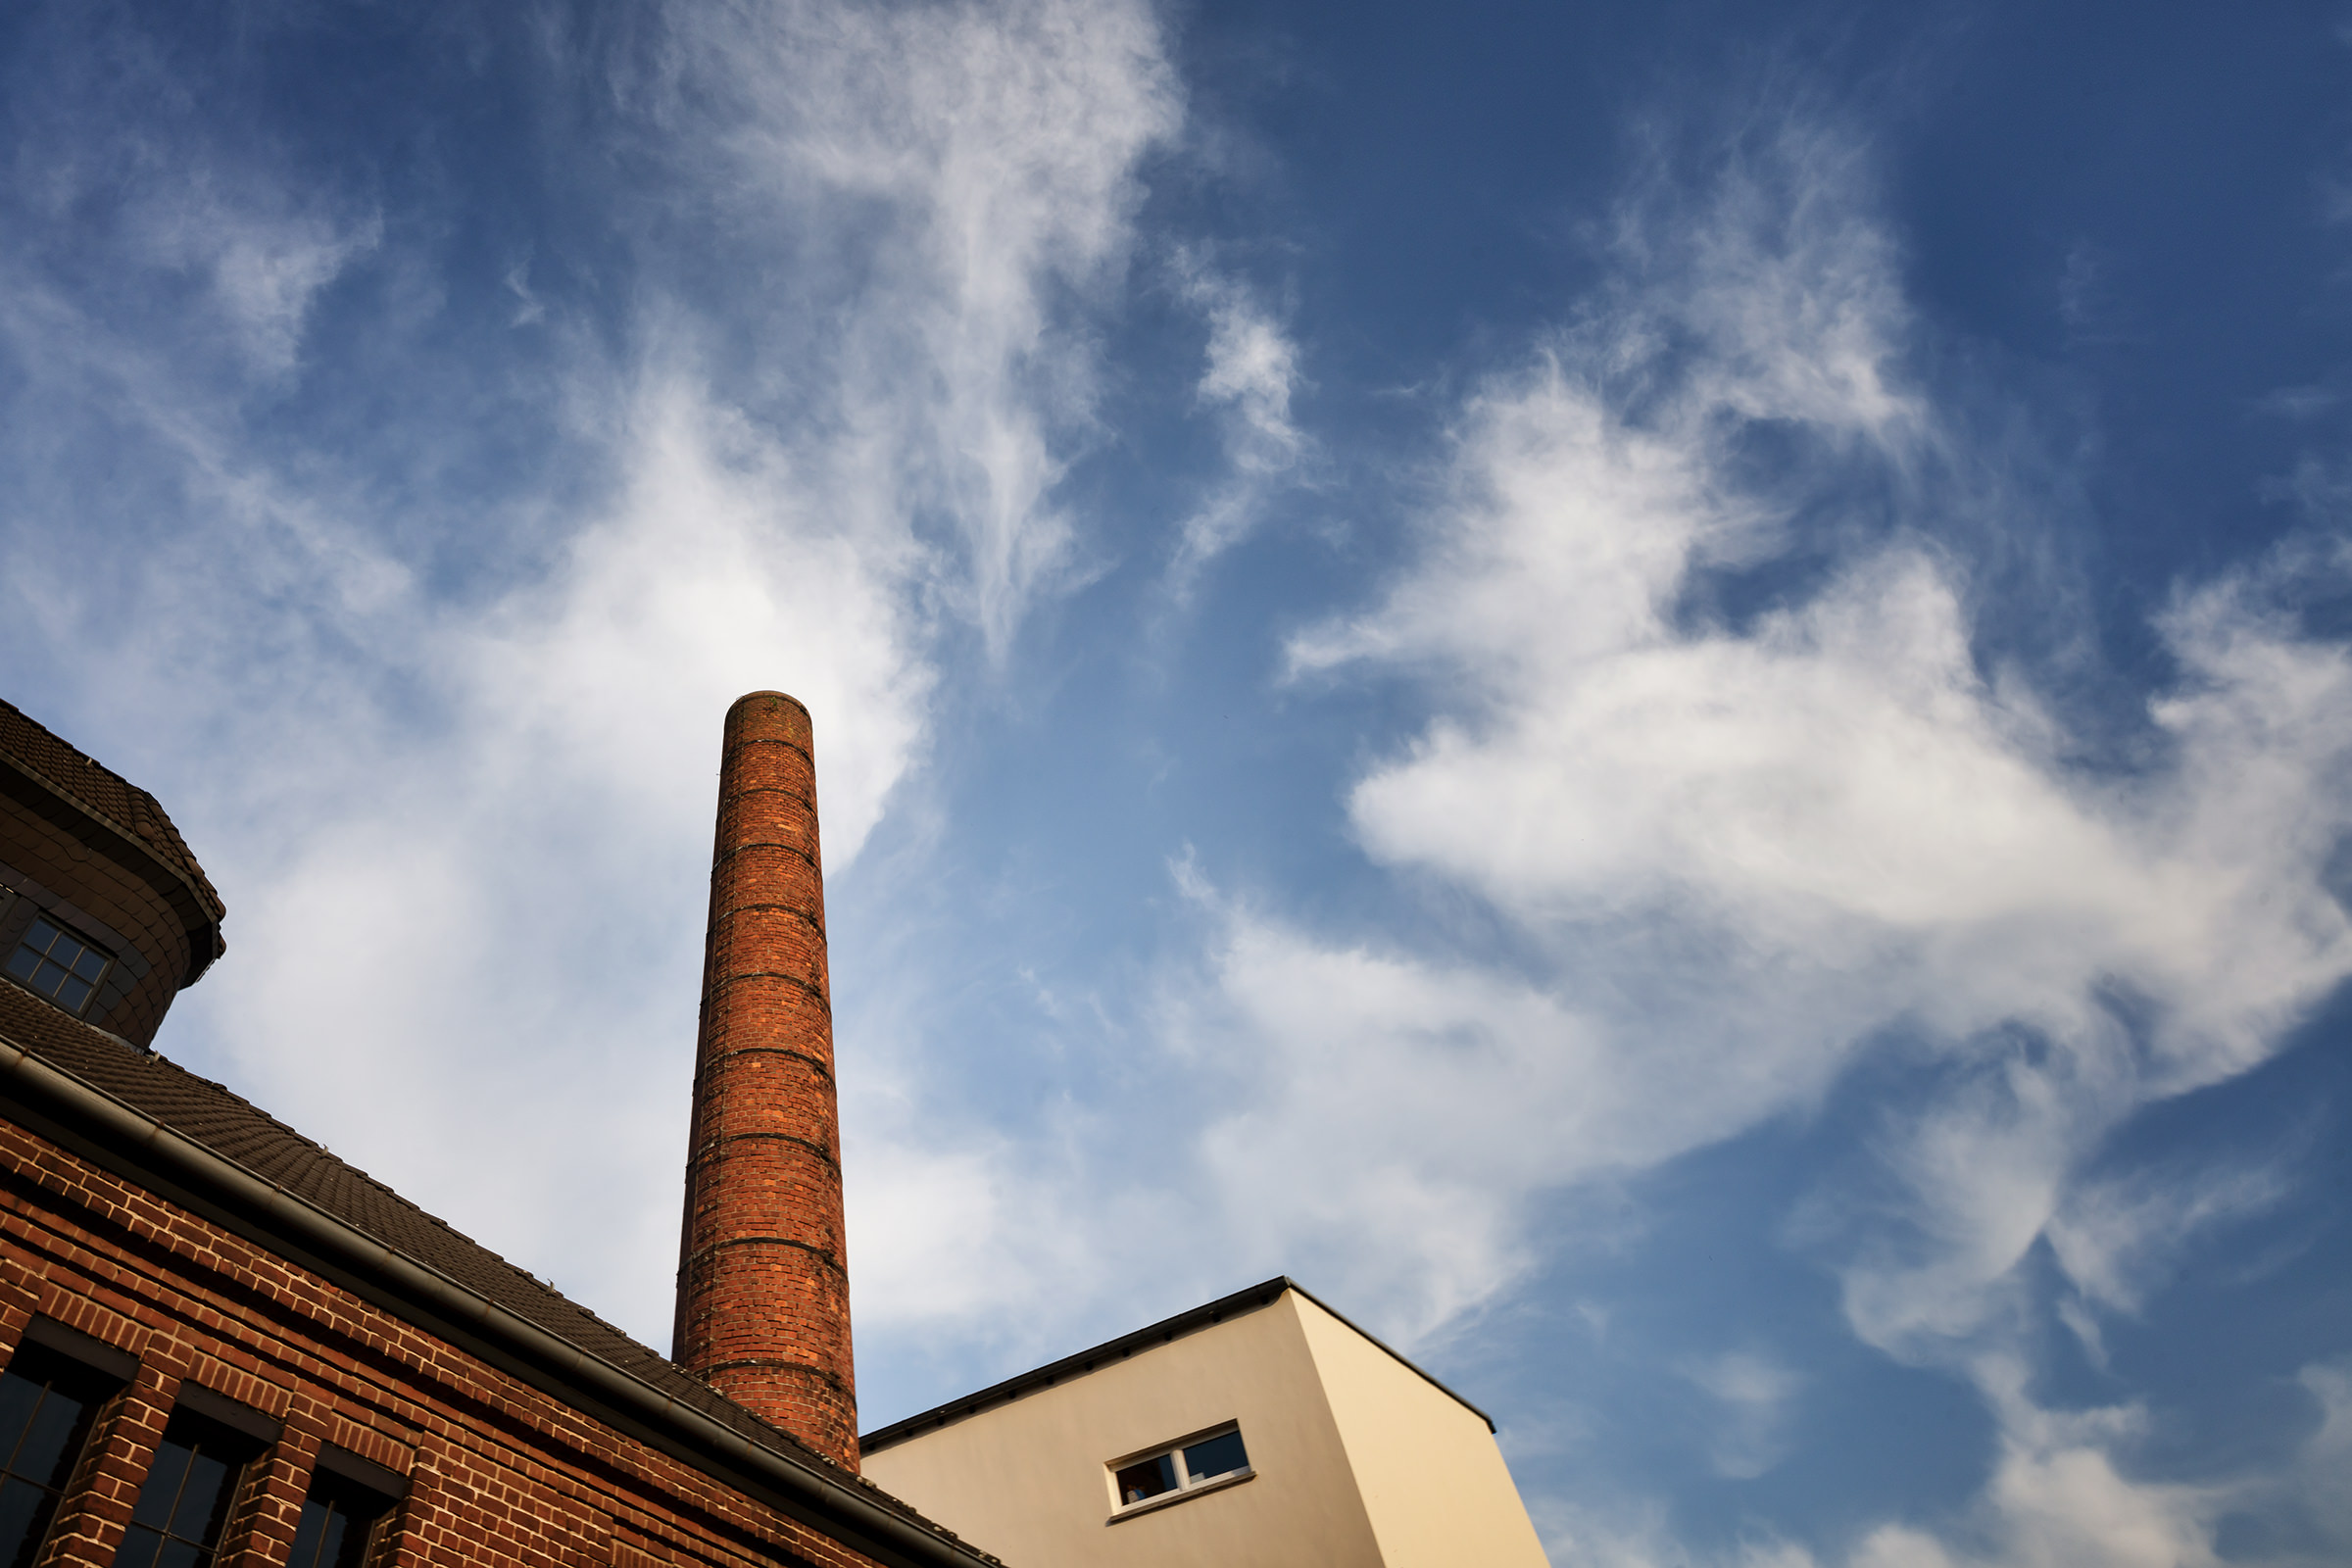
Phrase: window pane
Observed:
(1149, 1479)
(203, 1498)
(23, 961)
(90, 965)
(73, 994)
(138, 1548)
(25, 1510)
(46, 1405)
(307, 1534)
(347, 1538)
(337, 1518)
(332, 1543)
(1215, 1457)
(161, 1488)
(18, 1395)
(40, 936)
(185, 1499)
(52, 1439)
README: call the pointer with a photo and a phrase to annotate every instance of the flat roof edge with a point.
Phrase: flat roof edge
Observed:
(1250, 1300)
(1394, 1354)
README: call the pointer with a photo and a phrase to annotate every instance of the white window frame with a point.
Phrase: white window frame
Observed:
(1187, 1486)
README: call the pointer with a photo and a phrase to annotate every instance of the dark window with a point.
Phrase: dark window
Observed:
(46, 1405)
(184, 1503)
(1182, 1467)
(1217, 1456)
(58, 964)
(339, 1520)
(1147, 1478)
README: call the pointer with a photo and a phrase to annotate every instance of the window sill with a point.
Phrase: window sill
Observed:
(1168, 1499)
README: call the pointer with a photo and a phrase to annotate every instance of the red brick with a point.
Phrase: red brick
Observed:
(763, 1302)
(500, 1473)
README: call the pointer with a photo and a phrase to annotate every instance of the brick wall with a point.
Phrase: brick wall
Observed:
(115, 906)
(497, 1472)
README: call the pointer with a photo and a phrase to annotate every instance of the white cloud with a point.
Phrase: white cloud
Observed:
(2059, 1496)
(1757, 844)
(461, 882)
(954, 1230)
(462, 811)
(2327, 1455)
(2120, 1237)
(989, 155)
(1249, 376)
(1736, 852)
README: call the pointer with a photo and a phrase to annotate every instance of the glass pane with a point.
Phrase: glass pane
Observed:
(25, 1511)
(73, 994)
(52, 1441)
(1215, 1457)
(182, 1554)
(90, 965)
(19, 1394)
(22, 963)
(331, 1553)
(204, 1499)
(1147, 1479)
(307, 1534)
(40, 936)
(138, 1548)
(161, 1488)
(345, 1512)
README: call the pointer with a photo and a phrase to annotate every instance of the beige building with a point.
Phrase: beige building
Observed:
(1260, 1431)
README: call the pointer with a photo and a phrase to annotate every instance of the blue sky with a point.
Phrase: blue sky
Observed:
(1658, 691)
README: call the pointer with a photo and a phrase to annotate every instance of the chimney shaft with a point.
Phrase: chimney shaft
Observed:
(764, 1291)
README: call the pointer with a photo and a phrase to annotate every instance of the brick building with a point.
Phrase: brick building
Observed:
(222, 1344)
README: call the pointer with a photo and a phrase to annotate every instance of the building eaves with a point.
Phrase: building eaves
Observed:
(201, 1145)
(1254, 1299)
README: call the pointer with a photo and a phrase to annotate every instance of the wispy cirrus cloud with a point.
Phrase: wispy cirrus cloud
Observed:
(1753, 1396)
(984, 164)
(1248, 376)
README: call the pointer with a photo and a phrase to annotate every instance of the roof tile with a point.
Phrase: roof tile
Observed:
(232, 1127)
(98, 789)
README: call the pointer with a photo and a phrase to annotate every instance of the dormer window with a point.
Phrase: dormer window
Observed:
(53, 962)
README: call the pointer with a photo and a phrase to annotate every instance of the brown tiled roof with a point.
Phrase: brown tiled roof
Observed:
(235, 1129)
(106, 795)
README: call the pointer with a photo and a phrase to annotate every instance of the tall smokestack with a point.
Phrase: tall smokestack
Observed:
(764, 1288)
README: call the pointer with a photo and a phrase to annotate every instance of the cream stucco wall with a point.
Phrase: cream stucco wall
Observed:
(1026, 1479)
(1359, 1461)
(1432, 1479)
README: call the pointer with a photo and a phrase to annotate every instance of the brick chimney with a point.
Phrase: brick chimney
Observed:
(764, 1289)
